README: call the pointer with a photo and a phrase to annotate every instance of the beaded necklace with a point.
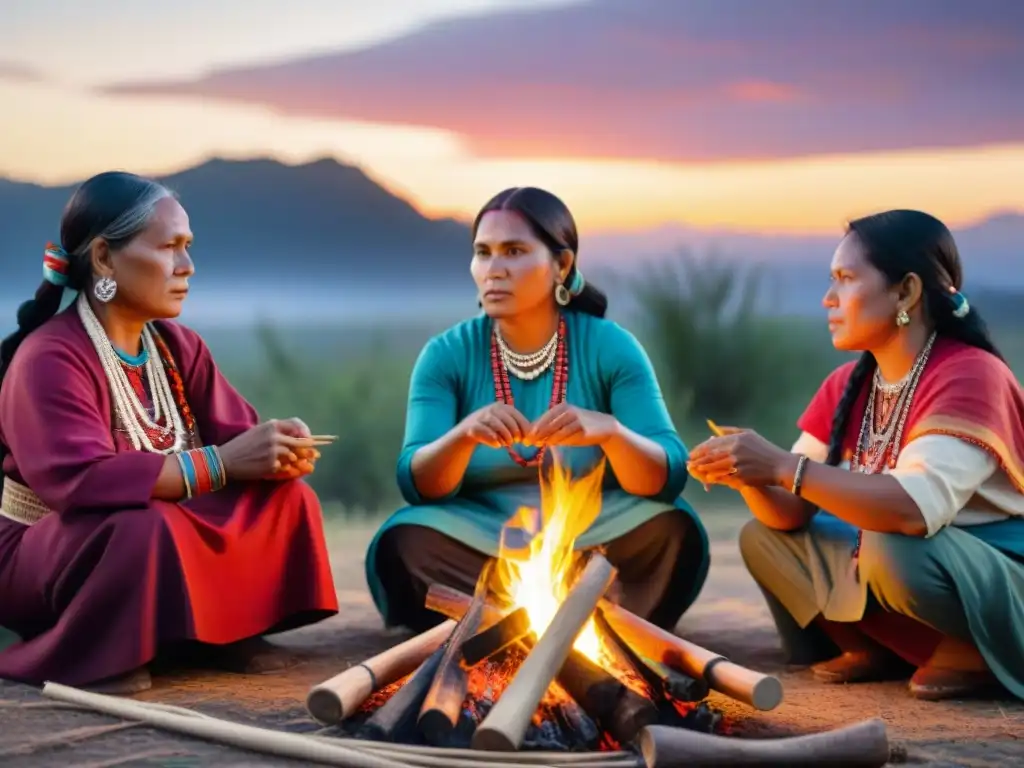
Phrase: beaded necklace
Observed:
(503, 388)
(169, 425)
(881, 435)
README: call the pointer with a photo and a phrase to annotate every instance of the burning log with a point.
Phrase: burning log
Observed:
(505, 726)
(673, 684)
(862, 745)
(395, 720)
(443, 703)
(335, 699)
(496, 638)
(619, 710)
(452, 603)
(763, 692)
(614, 706)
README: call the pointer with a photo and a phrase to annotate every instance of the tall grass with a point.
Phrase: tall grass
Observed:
(719, 356)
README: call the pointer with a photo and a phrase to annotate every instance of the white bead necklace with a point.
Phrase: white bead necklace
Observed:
(130, 411)
(527, 367)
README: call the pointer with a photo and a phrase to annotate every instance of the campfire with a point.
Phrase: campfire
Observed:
(540, 657)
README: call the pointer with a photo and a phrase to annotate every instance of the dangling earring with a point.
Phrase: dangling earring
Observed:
(902, 318)
(562, 295)
(105, 289)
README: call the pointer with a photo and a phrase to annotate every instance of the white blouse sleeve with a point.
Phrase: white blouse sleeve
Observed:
(941, 473)
(811, 447)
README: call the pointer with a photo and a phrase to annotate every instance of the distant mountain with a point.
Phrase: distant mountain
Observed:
(324, 241)
(260, 222)
(795, 268)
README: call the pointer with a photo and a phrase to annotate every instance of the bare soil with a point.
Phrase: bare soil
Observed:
(729, 618)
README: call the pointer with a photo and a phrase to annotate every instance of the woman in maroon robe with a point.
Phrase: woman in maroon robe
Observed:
(144, 506)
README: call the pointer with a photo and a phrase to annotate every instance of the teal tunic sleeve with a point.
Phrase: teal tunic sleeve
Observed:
(432, 411)
(637, 403)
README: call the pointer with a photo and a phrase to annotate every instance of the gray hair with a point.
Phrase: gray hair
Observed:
(130, 222)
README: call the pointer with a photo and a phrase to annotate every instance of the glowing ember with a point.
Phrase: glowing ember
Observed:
(536, 561)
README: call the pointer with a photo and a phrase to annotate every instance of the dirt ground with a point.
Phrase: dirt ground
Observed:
(728, 618)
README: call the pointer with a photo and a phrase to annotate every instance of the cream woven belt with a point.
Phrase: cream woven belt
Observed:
(20, 503)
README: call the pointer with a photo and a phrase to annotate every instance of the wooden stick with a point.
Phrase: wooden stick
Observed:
(674, 684)
(671, 683)
(614, 707)
(862, 745)
(452, 603)
(497, 637)
(605, 699)
(333, 700)
(442, 706)
(395, 720)
(344, 752)
(763, 692)
(293, 745)
(504, 727)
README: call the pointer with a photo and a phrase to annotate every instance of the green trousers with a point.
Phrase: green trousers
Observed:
(955, 582)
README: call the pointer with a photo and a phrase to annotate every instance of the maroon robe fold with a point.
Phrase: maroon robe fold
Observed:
(99, 585)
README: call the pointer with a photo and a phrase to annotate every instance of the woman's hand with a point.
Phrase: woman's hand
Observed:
(738, 458)
(497, 425)
(305, 457)
(571, 426)
(276, 449)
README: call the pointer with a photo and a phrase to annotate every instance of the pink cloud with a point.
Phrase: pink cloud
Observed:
(701, 80)
(17, 72)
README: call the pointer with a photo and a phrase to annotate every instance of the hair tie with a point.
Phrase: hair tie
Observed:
(578, 283)
(56, 265)
(960, 304)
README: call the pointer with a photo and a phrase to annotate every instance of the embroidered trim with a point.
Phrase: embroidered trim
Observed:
(1015, 480)
(20, 504)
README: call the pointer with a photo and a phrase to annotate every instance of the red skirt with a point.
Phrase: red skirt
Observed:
(96, 595)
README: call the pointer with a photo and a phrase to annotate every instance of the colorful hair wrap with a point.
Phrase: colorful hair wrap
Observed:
(56, 264)
(578, 283)
(202, 470)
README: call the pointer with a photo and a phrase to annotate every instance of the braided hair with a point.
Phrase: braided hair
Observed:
(898, 243)
(552, 223)
(114, 206)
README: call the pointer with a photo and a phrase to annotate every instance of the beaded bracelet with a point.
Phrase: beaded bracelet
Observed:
(202, 470)
(798, 476)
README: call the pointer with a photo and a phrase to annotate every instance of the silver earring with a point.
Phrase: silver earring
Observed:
(902, 318)
(562, 295)
(105, 289)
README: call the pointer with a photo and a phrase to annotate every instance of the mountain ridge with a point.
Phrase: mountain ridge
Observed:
(329, 233)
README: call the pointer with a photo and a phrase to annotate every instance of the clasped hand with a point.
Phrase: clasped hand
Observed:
(738, 458)
(500, 425)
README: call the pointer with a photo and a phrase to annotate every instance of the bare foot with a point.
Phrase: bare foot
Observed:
(136, 681)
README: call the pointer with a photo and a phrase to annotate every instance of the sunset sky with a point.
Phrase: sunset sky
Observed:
(760, 115)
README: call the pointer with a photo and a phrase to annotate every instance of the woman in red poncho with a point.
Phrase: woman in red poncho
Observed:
(144, 507)
(893, 531)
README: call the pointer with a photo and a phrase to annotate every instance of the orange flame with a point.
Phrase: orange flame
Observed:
(536, 555)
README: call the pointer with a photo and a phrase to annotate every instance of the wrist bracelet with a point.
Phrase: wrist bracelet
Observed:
(798, 475)
(202, 471)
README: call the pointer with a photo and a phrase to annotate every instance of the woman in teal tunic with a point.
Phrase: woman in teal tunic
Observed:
(540, 368)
